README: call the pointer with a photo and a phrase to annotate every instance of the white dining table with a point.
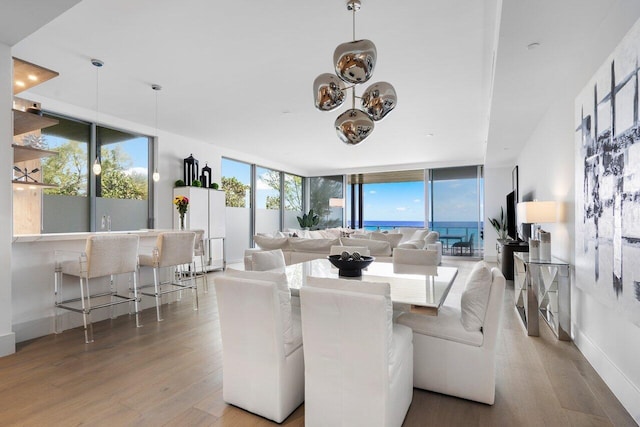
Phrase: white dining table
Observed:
(424, 293)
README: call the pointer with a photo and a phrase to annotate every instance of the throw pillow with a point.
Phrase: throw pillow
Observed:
(432, 237)
(419, 234)
(270, 243)
(473, 304)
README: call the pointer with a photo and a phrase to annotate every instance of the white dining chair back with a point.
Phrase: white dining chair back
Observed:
(415, 261)
(358, 364)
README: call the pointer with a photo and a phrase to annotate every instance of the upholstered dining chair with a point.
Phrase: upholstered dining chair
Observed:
(267, 260)
(358, 364)
(416, 261)
(463, 247)
(173, 251)
(262, 353)
(454, 352)
(104, 256)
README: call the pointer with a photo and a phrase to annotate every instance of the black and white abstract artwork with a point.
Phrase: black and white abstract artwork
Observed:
(608, 181)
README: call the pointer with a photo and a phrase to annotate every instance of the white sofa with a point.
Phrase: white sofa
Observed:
(380, 245)
(455, 352)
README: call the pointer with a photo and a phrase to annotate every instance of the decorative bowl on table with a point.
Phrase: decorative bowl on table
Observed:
(350, 266)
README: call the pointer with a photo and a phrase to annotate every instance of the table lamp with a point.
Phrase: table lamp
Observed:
(536, 213)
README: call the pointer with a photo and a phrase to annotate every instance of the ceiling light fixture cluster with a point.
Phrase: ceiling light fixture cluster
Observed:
(354, 63)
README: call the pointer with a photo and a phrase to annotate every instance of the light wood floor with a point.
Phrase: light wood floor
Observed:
(170, 373)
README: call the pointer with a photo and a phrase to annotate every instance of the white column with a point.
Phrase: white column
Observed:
(7, 337)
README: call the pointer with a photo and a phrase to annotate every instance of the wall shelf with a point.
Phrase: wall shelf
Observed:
(23, 153)
(24, 122)
(32, 184)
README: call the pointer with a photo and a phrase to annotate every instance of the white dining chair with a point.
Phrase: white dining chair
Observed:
(200, 253)
(262, 352)
(358, 364)
(415, 261)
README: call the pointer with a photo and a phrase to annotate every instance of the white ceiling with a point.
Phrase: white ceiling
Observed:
(239, 74)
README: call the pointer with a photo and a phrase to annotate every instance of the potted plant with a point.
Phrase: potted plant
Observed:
(308, 220)
(500, 225)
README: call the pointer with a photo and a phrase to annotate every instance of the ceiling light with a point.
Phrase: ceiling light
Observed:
(32, 77)
(20, 83)
(156, 174)
(354, 63)
(97, 167)
(533, 45)
(430, 135)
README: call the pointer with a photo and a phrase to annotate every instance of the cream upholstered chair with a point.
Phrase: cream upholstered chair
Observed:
(104, 255)
(173, 250)
(267, 260)
(262, 356)
(415, 261)
(199, 252)
(455, 352)
(358, 364)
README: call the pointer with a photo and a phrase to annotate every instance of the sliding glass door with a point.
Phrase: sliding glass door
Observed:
(455, 209)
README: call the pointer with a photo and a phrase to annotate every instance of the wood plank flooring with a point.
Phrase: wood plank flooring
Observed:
(170, 373)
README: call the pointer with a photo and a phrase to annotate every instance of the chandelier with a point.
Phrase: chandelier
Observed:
(354, 62)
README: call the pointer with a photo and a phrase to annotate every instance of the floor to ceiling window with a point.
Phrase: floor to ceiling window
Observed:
(293, 200)
(321, 190)
(268, 191)
(236, 183)
(389, 200)
(456, 207)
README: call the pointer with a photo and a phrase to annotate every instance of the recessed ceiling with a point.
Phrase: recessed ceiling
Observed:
(239, 74)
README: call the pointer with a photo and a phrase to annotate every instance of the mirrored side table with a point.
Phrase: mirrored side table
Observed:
(543, 288)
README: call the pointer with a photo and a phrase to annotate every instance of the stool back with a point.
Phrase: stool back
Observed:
(175, 248)
(111, 254)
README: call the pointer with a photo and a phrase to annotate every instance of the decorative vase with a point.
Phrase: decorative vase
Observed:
(182, 226)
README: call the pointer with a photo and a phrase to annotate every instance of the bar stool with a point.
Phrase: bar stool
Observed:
(173, 250)
(104, 255)
(199, 251)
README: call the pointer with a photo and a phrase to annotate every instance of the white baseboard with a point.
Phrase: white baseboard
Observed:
(33, 329)
(627, 393)
(7, 344)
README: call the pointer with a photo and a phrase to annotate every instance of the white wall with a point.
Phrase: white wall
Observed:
(7, 337)
(497, 184)
(608, 341)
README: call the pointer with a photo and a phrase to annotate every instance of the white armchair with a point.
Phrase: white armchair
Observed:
(262, 357)
(454, 352)
(358, 364)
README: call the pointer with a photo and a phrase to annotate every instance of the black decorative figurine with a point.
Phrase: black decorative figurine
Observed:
(190, 170)
(205, 178)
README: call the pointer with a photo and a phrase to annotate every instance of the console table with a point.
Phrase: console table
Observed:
(543, 287)
(505, 249)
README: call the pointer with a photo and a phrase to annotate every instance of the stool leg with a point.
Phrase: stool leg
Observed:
(57, 290)
(194, 289)
(113, 298)
(204, 275)
(86, 311)
(136, 299)
(157, 288)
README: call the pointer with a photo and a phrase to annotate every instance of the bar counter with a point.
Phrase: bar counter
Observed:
(32, 283)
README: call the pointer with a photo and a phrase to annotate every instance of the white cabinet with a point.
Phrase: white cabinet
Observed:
(206, 212)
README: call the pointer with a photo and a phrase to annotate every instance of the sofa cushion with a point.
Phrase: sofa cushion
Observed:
(432, 237)
(475, 297)
(407, 232)
(338, 249)
(412, 244)
(419, 234)
(376, 247)
(267, 260)
(312, 245)
(270, 243)
(280, 279)
(392, 238)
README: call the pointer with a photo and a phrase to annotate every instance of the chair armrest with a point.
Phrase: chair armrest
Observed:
(65, 258)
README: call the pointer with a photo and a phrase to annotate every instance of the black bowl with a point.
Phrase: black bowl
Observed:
(350, 268)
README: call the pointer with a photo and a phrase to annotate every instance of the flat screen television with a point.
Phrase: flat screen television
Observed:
(512, 225)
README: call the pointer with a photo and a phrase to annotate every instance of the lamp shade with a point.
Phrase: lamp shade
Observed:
(336, 203)
(537, 212)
